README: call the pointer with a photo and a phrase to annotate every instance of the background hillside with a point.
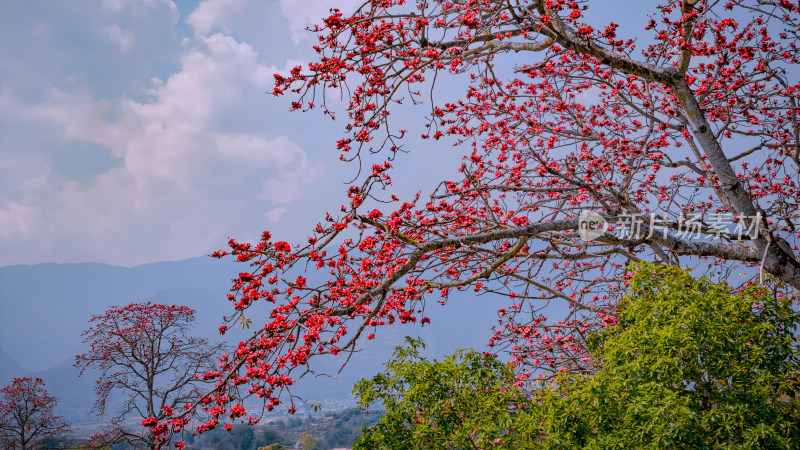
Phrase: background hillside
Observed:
(45, 307)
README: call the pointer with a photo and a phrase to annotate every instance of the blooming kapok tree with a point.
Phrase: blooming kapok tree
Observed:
(144, 352)
(26, 415)
(686, 145)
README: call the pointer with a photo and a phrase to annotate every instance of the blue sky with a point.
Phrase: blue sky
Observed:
(135, 131)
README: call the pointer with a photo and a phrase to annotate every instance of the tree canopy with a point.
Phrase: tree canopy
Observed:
(27, 418)
(145, 353)
(468, 400)
(679, 142)
(690, 364)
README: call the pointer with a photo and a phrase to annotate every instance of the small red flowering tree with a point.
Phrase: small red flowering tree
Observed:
(144, 352)
(687, 147)
(26, 415)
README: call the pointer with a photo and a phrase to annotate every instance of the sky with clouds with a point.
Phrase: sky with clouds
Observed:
(135, 131)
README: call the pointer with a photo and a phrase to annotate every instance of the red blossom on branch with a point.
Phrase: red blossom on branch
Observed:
(144, 351)
(700, 124)
(26, 415)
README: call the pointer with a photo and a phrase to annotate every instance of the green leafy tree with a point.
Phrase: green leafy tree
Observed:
(308, 442)
(689, 364)
(465, 401)
(685, 364)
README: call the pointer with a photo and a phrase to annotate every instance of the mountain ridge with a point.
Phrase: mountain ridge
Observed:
(44, 308)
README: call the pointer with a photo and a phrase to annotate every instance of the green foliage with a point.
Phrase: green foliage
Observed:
(690, 364)
(275, 446)
(466, 400)
(308, 442)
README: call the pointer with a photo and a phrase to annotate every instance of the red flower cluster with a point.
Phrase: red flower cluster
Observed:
(701, 122)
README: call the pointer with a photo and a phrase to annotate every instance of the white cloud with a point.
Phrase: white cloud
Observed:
(214, 14)
(123, 38)
(274, 215)
(306, 13)
(189, 180)
(118, 6)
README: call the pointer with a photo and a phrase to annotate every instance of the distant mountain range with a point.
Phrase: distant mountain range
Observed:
(9, 367)
(45, 307)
